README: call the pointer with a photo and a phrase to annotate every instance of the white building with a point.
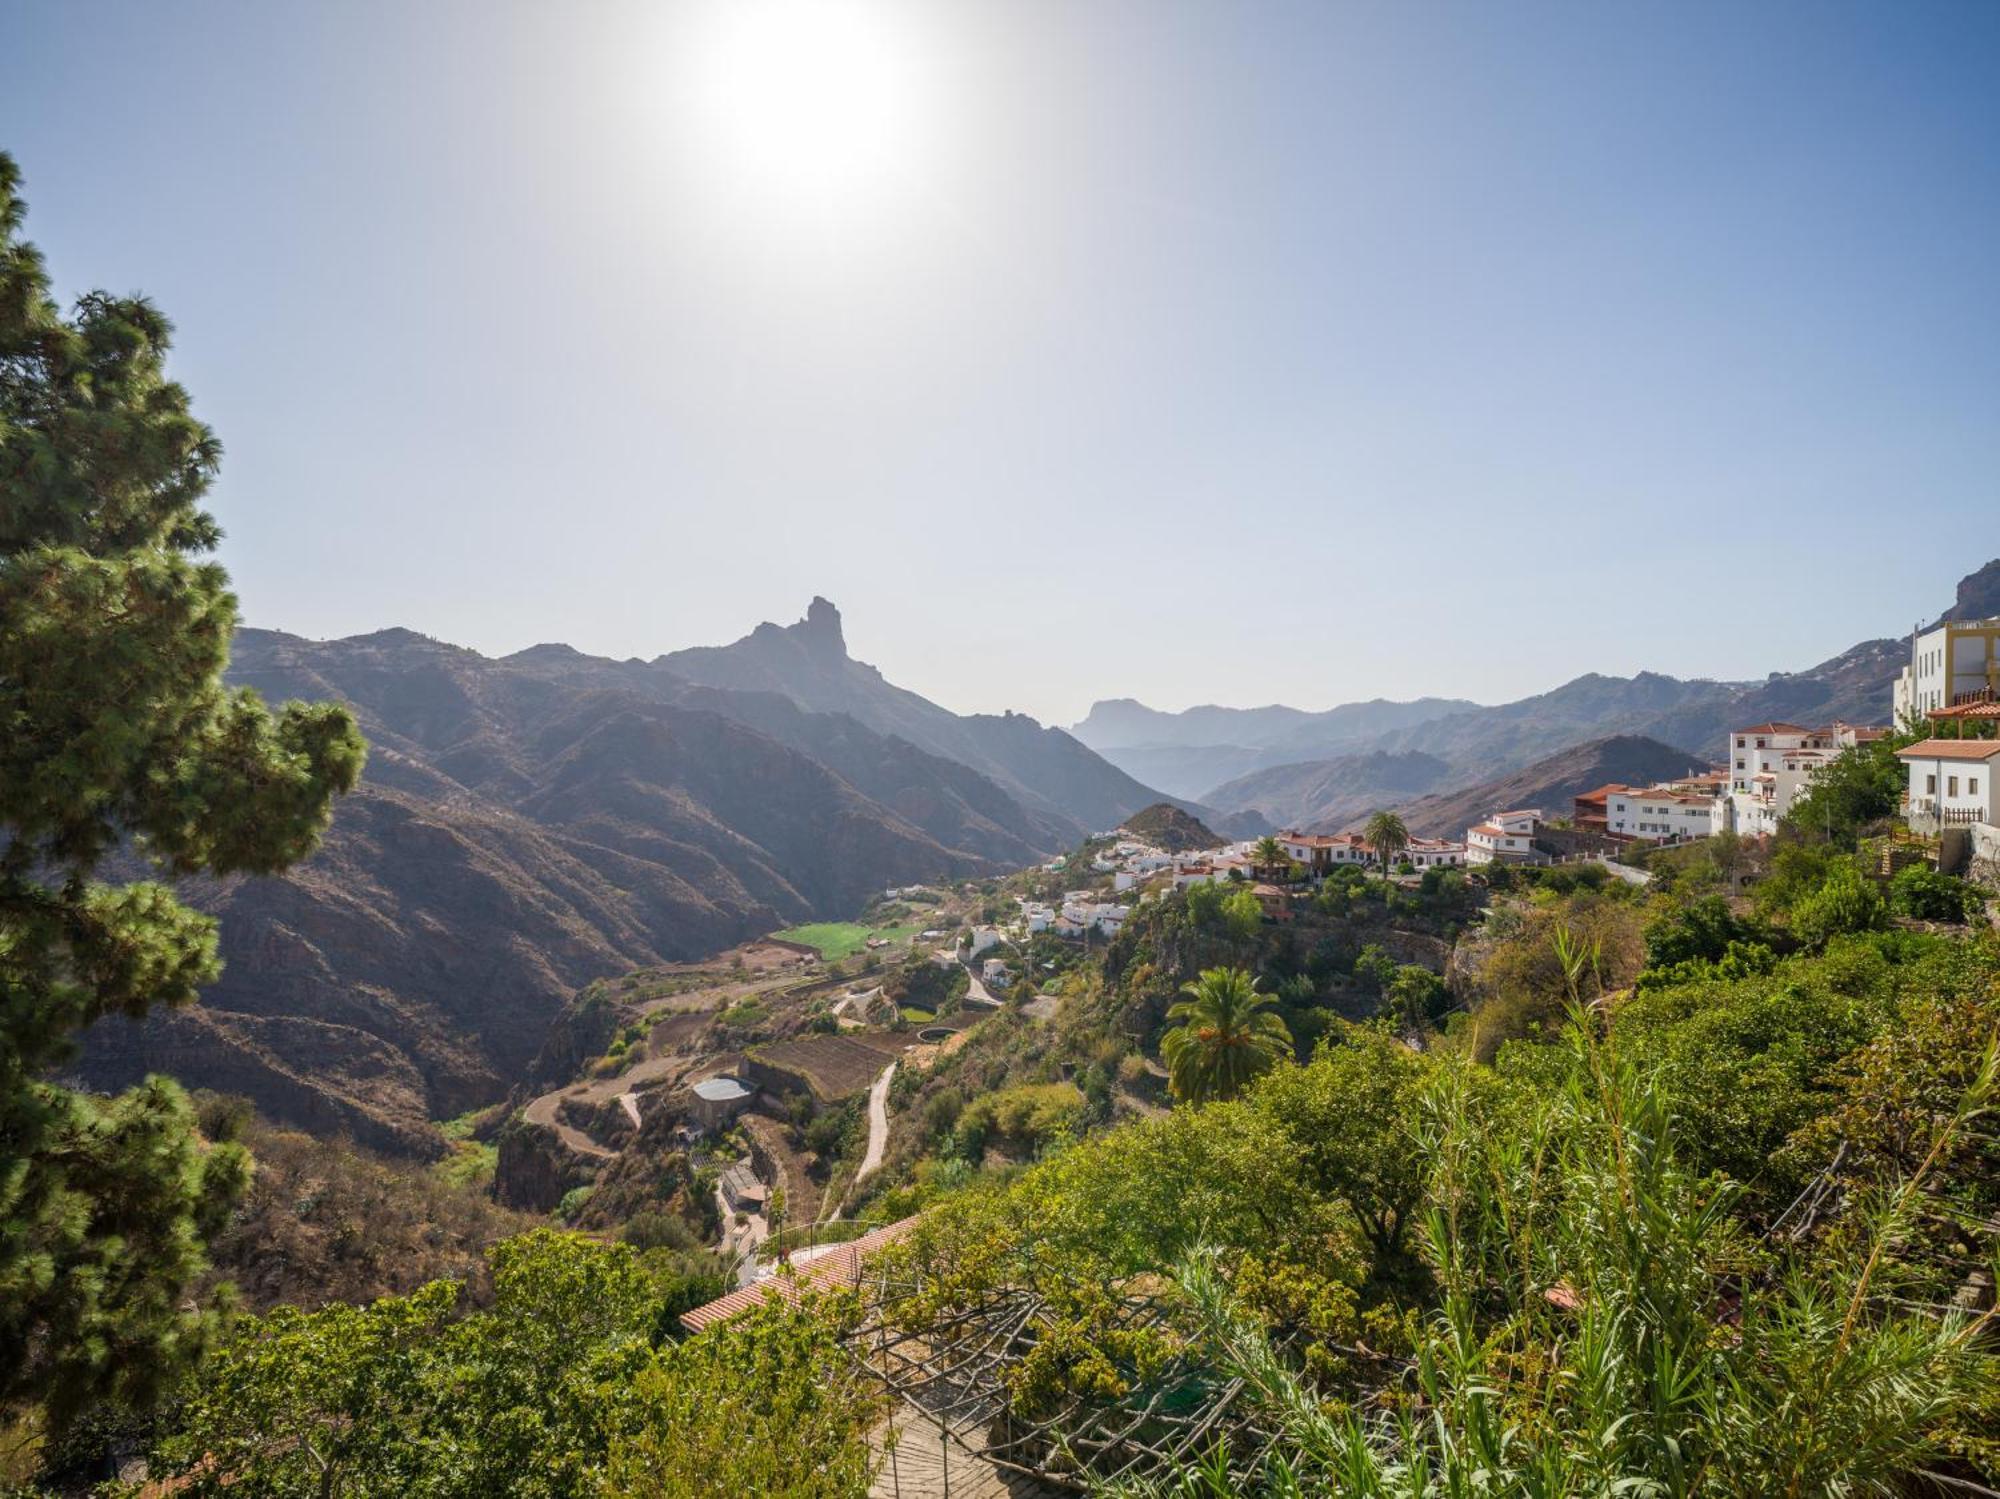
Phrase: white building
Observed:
(1435, 853)
(1955, 663)
(1659, 814)
(1770, 765)
(1319, 852)
(993, 973)
(1951, 782)
(1504, 838)
(1081, 915)
(1036, 916)
(984, 937)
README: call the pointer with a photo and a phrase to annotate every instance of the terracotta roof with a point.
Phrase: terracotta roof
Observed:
(835, 1269)
(1490, 830)
(1776, 728)
(1951, 749)
(1602, 792)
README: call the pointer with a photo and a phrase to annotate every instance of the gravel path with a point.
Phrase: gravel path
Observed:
(878, 1123)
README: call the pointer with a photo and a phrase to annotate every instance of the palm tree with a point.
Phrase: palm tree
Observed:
(1387, 836)
(1226, 1035)
(1269, 855)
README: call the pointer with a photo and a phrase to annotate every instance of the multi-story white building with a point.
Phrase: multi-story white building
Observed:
(1659, 814)
(1770, 766)
(1504, 838)
(1952, 782)
(1958, 662)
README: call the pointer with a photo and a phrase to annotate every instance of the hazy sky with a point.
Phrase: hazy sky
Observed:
(1228, 352)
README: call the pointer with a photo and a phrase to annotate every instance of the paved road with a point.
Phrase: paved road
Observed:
(878, 1123)
(1626, 872)
(976, 993)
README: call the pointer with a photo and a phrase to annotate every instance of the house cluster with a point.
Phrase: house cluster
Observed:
(1953, 685)
(1080, 913)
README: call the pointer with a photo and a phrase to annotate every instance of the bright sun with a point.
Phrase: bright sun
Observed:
(812, 110)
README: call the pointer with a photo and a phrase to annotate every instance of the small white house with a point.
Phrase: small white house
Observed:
(984, 937)
(1434, 853)
(1951, 782)
(993, 973)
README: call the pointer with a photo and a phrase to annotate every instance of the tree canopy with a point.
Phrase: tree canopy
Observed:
(116, 734)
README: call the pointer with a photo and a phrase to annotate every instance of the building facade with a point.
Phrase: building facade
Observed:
(1505, 838)
(1951, 783)
(1658, 814)
(1956, 663)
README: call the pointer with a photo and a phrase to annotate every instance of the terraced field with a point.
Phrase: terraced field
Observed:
(835, 1065)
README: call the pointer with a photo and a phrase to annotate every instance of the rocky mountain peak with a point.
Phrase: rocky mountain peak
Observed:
(820, 629)
(1978, 594)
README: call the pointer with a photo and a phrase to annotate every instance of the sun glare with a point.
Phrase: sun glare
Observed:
(812, 109)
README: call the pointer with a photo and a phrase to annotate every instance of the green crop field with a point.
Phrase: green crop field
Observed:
(834, 939)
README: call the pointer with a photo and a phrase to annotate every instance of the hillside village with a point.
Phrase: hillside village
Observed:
(749, 1067)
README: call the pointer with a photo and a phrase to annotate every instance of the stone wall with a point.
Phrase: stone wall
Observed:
(1983, 866)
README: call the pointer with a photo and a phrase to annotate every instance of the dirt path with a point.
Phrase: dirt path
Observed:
(878, 1123)
(543, 1110)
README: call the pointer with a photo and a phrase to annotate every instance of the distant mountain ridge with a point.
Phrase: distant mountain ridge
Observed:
(1197, 748)
(1253, 771)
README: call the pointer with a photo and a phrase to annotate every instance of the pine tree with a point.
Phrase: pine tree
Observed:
(116, 737)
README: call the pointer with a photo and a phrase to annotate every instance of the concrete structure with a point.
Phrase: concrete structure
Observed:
(717, 1100)
(1958, 662)
(742, 1191)
(1505, 838)
(984, 937)
(1952, 783)
(993, 972)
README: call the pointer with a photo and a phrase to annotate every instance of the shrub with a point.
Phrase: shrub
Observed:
(1844, 902)
(1921, 892)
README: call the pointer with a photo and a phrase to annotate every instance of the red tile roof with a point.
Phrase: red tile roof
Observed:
(1776, 728)
(1602, 792)
(833, 1270)
(1950, 749)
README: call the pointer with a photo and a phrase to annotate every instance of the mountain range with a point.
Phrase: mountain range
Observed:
(1319, 770)
(529, 823)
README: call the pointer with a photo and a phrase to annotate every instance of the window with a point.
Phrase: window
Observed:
(1972, 785)
(1951, 785)
(1930, 785)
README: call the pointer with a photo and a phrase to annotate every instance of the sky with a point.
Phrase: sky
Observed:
(1226, 352)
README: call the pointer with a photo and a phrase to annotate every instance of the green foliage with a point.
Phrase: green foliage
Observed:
(568, 1378)
(1026, 1119)
(1417, 998)
(1226, 1034)
(114, 632)
(1857, 787)
(1232, 914)
(1387, 835)
(1845, 902)
(1703, 929)
(1578, 1344)
(1921, 892)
